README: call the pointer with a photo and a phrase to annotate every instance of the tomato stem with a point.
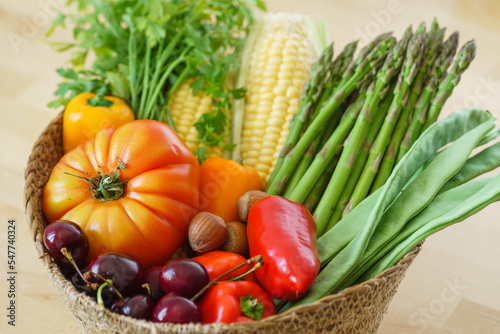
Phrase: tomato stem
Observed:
(105, 187)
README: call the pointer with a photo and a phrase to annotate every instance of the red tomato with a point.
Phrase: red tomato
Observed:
(160, 181)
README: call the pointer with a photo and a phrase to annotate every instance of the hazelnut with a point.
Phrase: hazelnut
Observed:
(246, 202)
(206, 232)
(236, 241)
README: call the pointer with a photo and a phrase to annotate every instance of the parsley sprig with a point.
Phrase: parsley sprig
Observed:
(142, 50)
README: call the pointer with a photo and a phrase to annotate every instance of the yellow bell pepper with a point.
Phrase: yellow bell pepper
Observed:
(86, 114)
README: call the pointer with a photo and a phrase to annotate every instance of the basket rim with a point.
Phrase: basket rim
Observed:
(36, 223)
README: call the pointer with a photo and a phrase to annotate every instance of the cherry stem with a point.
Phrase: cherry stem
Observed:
(254, 268)
(99, 295)
(147, 287)
(107, 282)
(68, 255)
(257, 258)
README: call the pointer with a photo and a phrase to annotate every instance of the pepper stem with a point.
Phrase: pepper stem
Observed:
(257, 258)
(105, 187)
(99, 101)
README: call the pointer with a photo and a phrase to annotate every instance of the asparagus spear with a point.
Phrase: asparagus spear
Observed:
(378, 119)
(363, 54)
(318, 189)
(410, 69)
(371, 61)
(318, 143)
(342, 61)
(356, 138)
(340, 64)
(461, 63)
(449, 49)
(435, 27)
(332, 124)
(434, 41)
(439, 68)
(327, 152)
(301, 169)
(311, 92)
(321, 140)
(390, 156)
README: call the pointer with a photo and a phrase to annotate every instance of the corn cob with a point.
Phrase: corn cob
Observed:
(185, 109)
(277, 61)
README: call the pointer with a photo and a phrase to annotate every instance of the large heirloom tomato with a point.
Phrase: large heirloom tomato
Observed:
(133, 190)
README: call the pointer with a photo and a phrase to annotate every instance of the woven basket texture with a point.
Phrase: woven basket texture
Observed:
(358, 309)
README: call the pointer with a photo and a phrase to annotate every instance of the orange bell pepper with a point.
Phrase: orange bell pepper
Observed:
(86, 114)
(222, 183)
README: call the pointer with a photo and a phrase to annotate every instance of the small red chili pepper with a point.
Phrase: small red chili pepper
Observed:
(219, 262)
(240, 301)
(284, 233)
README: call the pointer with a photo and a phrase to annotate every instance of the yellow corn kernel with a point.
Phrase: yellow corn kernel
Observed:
(185, 109)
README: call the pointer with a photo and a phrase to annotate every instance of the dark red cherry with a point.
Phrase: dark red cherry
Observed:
(177, 310)
(117, 305)
(108, 296)
(151, 276)
(68, 235)
(122, 269)
(80, 284)
(184, 277)
(138, 306)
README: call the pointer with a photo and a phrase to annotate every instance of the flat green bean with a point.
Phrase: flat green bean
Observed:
(330, 244)
(419, 193)
(335, 239)
(484, 161)
(436, 136)
(488, 194)
(442, 204)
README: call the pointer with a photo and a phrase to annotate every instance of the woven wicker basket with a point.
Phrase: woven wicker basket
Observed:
(358, 309)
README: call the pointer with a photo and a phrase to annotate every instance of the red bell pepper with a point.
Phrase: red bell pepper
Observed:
(219, 262)
(239, 301)
(284, 233)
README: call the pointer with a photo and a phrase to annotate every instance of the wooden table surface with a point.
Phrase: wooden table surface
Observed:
(454, 284)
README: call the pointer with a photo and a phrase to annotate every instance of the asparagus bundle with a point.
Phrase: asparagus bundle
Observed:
(359, 117)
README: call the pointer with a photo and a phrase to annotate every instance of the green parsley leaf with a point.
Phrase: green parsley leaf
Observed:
(143, 49)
